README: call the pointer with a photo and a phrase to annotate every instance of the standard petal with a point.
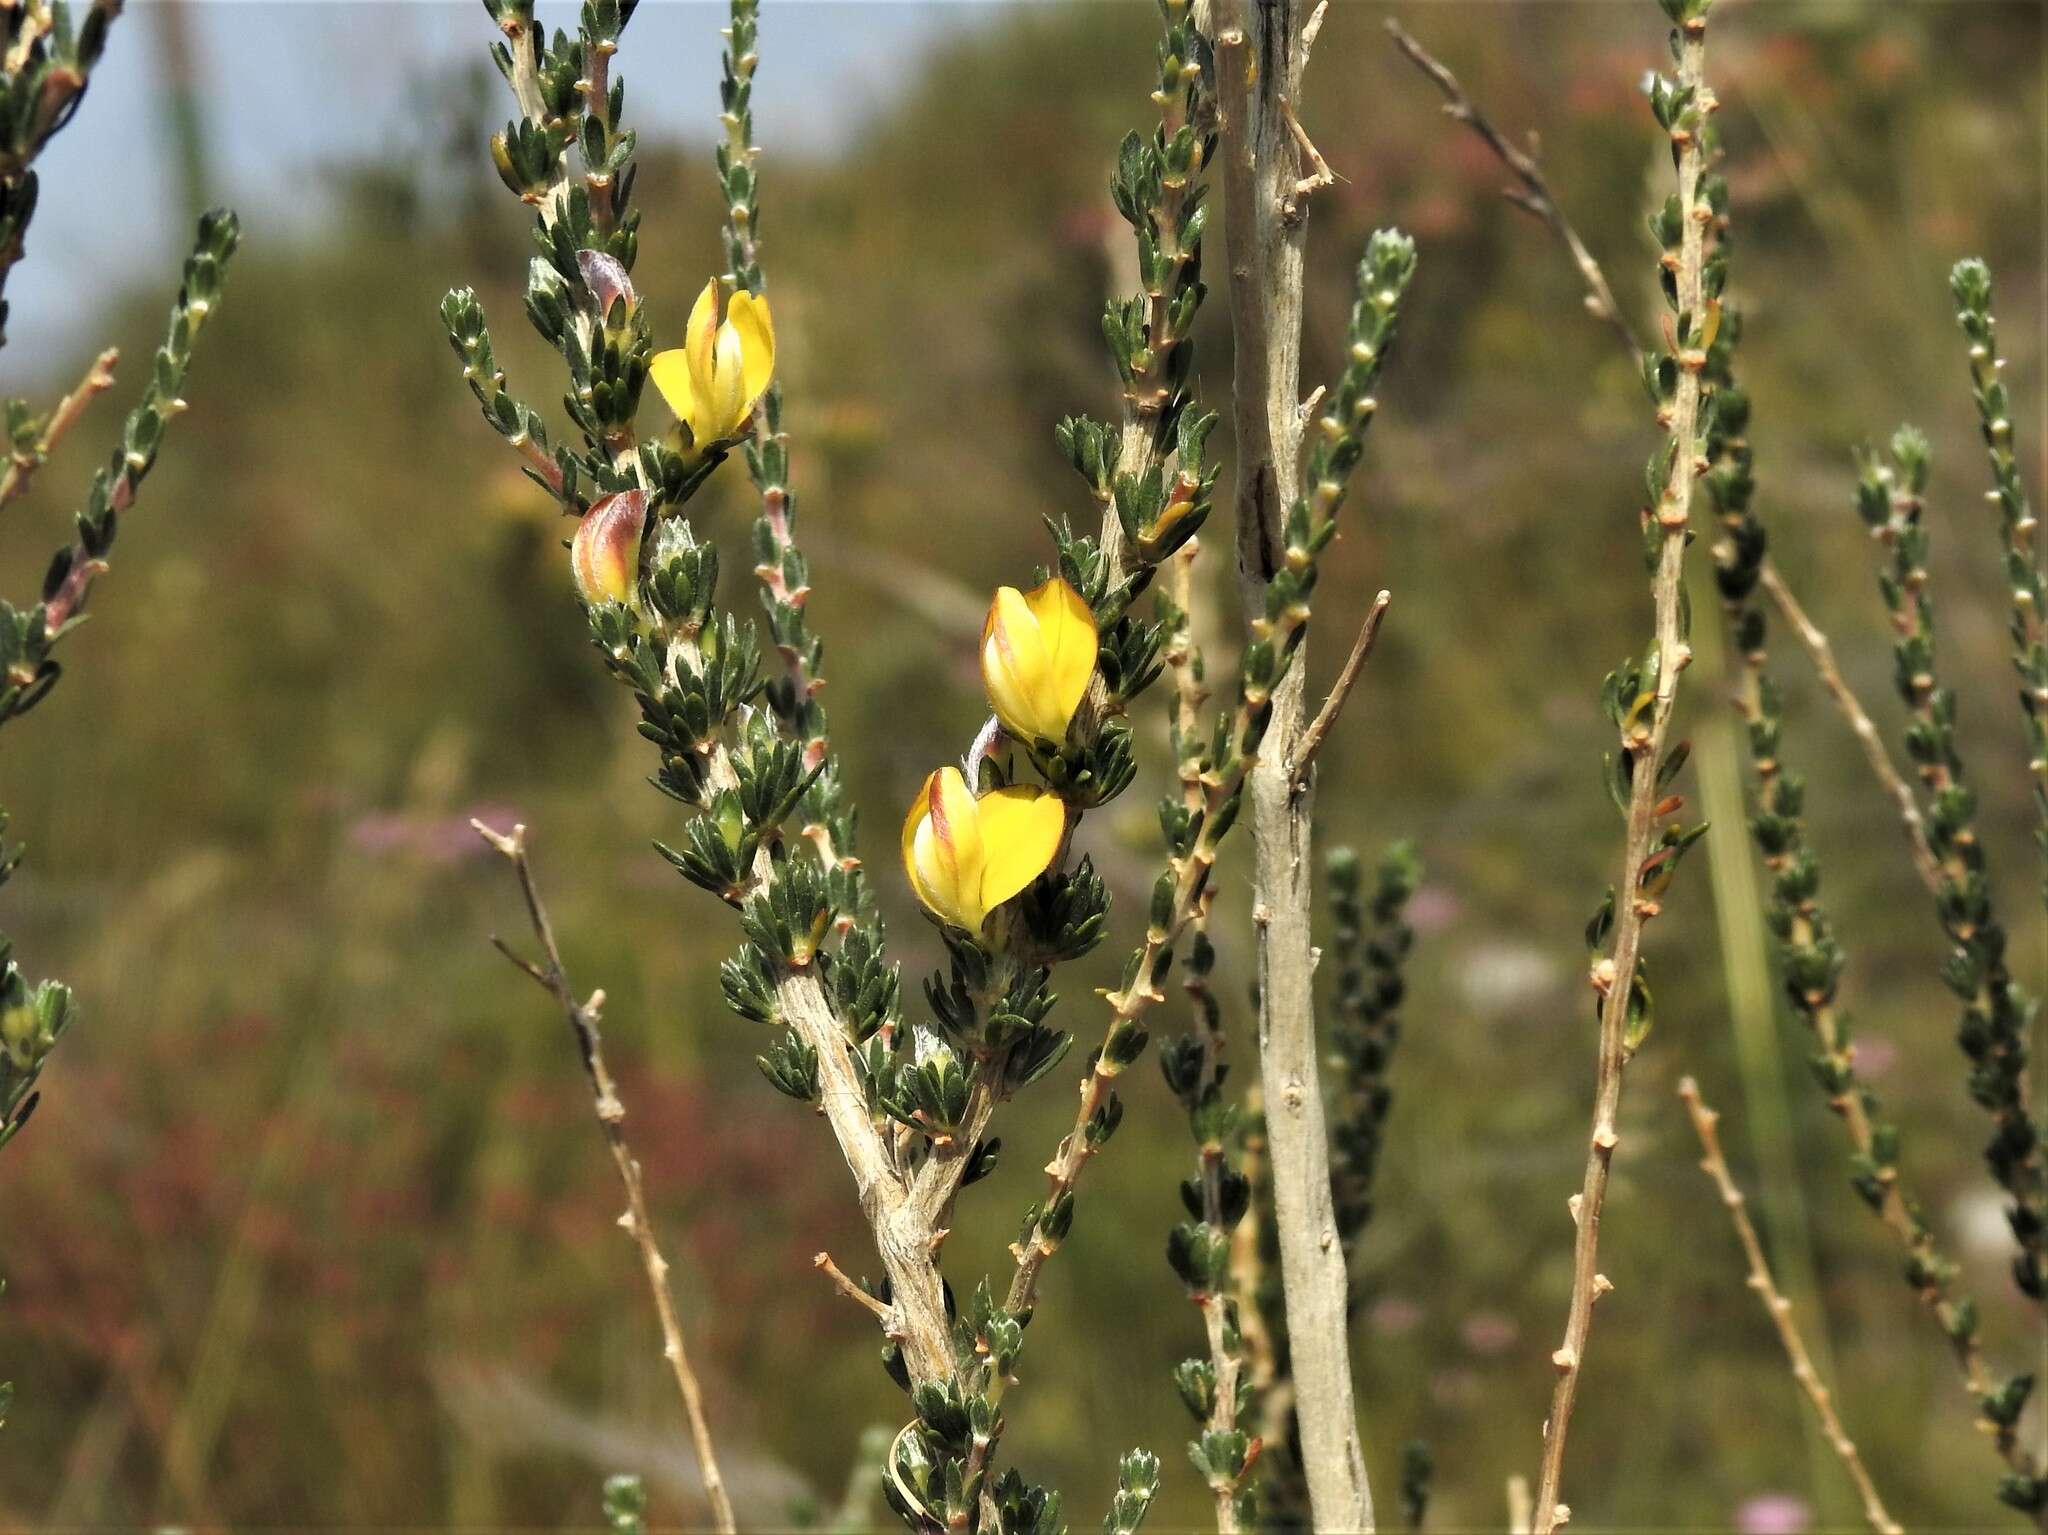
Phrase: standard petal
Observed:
(1013, 666)
(1066, 629)
(917, 851)
(748, 315)
(959, 845)
(1021, 831)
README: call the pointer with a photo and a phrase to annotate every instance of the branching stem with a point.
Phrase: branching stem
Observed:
(583, 1018)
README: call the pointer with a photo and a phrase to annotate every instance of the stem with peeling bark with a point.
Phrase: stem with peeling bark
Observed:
(1259, 72)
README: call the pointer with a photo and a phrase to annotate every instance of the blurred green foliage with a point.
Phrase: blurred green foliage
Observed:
(313, 1227)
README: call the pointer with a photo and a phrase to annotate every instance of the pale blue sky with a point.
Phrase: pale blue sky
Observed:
(292, 85)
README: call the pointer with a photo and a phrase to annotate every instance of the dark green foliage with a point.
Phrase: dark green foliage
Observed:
(1370, 943)
(1970, 285)
(50, 58)
(625, 1505)
(1998, 1014)
(1417, 1470)
(53, 53)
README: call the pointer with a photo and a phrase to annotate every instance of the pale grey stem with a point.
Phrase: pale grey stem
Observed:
(1259, 78)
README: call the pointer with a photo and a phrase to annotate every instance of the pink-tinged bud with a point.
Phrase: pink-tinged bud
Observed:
(606, 279)
(605, 554)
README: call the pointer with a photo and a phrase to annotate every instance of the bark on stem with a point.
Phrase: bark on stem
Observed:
(1266, 224)
(1715, 1166)
(1617, 975)
(611, 1118)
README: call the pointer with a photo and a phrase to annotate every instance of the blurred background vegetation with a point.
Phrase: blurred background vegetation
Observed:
(314, 1228)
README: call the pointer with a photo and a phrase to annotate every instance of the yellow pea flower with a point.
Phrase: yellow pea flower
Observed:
(1037, 654)
(966, 856)
(605, 554)
(714, 379)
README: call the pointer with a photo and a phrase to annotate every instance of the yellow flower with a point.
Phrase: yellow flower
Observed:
(714, 379)
(605, 554)
(1037, 654)
(966, 856)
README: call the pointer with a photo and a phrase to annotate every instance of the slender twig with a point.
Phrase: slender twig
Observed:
(1997, 1014)
(21, 468)
(1534, 196)
(1715, 1166)
(853, 1292)
(611, 1117)
(1196, 1069)
(1644, 740)
(1361, 650)
(1248, 1277)
(1866, 732)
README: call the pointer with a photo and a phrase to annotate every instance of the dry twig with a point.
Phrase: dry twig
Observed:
(611, 1117)
(1361, 650)
(1715, 1166)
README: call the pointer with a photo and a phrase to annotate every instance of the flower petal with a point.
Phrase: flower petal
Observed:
(1021, 832)
(1067, 631)
(700, 345)
(1012, 660)
(916, 836)
(669, 372)
(748, 315)
(943, 850)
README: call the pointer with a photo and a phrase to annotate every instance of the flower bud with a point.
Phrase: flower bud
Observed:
(607, 281)
(605, 554)
(716, 377)
(966, 856)
(19, 1031)
(1037, 656)
(501, 159)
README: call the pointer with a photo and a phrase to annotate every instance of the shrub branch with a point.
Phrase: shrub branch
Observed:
(583, 1020)
(1641, 701)
(1715, 1166)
